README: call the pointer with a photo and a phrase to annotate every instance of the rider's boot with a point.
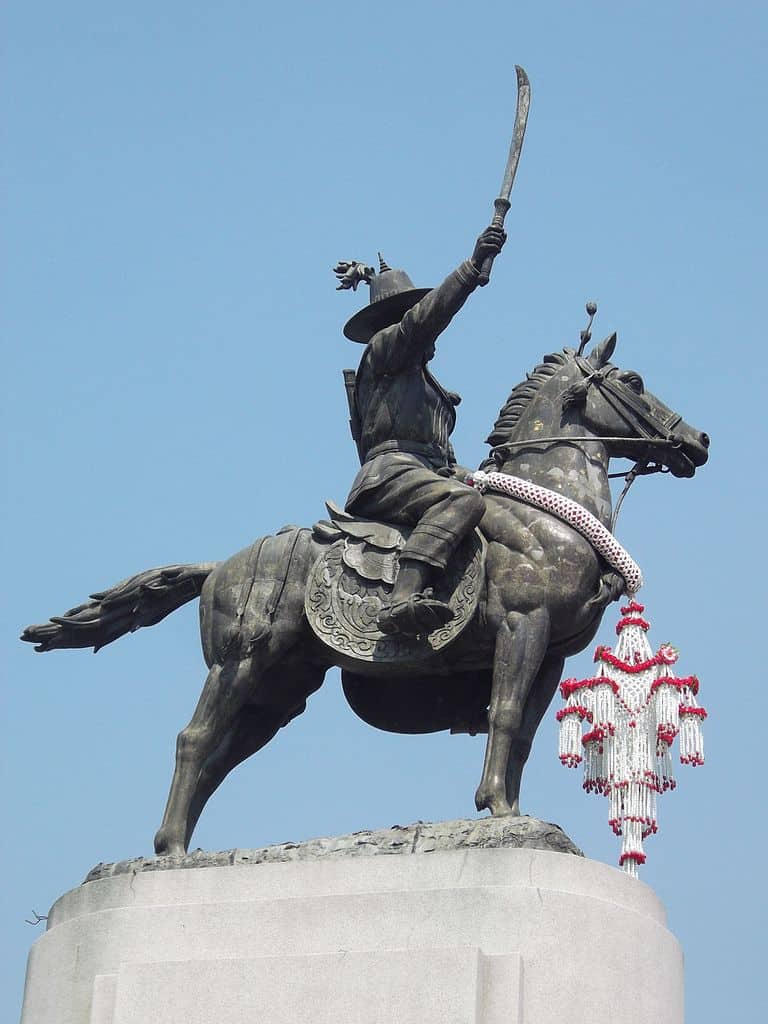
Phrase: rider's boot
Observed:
(413, 610)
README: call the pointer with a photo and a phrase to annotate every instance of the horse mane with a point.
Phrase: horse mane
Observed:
(521, 396)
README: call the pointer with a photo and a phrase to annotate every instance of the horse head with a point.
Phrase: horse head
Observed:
(632, 422)
(571, 397)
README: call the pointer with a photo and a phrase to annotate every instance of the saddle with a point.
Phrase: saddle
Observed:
(352, 580)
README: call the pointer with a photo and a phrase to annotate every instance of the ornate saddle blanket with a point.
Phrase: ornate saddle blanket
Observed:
(351, 582)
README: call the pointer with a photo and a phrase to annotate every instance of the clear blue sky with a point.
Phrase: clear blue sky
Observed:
(179, 180)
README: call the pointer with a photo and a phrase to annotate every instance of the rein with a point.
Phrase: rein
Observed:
(564, 438)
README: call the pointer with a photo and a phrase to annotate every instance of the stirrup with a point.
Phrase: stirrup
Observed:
(419, 615)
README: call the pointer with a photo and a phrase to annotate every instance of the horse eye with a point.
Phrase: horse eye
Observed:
(634, 381)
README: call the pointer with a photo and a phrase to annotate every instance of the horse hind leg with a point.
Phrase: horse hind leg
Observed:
(225, 692)
(256, 727)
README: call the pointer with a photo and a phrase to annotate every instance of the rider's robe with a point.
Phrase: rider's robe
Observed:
(406, 418)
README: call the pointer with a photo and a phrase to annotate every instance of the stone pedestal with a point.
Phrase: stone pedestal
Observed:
(469, 935)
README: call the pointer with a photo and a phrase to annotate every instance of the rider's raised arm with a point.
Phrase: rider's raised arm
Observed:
(412, 339)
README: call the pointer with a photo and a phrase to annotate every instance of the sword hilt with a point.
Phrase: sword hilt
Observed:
(500, 206)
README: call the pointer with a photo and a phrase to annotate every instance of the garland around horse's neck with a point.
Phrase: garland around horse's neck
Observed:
(572, 513)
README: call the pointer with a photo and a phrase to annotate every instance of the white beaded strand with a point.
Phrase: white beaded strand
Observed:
(572, 513)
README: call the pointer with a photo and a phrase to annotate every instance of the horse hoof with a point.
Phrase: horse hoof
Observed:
(497, 805)
(165, 847)
(502, 809)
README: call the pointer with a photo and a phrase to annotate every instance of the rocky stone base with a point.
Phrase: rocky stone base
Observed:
(421, 837)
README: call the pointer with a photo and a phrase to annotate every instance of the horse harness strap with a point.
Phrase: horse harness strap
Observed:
(249, 579)
(653, 429)
(276, 593)
(631, 407)
(279, 587)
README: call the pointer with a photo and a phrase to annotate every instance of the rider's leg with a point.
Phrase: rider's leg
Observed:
(412, 609)
(452, 511)
(442, 511)
(412, 577)
(449, 517)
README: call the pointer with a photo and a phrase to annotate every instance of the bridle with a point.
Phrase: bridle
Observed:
(653, 430)
(636, 413)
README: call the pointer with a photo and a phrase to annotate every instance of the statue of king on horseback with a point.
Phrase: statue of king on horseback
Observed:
(450, 600)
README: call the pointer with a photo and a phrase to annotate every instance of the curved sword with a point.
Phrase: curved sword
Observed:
(501, 204)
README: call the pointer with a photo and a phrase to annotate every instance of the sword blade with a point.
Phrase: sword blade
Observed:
(501, 203)
(521, 120)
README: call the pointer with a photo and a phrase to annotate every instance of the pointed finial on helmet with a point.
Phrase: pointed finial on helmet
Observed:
(383, 265)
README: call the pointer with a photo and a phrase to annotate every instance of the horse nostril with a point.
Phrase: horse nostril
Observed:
(704, 438)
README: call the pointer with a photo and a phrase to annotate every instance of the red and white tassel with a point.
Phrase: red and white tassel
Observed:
(665, 778)
(577, 710)
(667, 691)
(691, 733)
(569, 743)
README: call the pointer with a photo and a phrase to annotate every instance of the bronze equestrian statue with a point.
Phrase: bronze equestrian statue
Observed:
(525, 589)
(444, 608)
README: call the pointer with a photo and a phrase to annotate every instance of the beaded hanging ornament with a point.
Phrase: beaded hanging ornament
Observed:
(622, 722)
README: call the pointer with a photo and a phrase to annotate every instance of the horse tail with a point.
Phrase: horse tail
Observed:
(141, 600)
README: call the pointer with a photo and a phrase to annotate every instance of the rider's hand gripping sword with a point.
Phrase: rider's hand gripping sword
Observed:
(501, 204)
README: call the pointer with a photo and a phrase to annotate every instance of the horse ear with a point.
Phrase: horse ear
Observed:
(601, 354)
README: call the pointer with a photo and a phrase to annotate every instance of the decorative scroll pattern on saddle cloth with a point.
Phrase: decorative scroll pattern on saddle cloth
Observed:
(352, 580)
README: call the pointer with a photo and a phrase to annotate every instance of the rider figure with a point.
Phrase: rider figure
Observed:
(404, 419)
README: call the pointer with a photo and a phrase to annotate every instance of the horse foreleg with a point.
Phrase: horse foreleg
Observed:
(539, 699)
(521, 645)
(226, 690)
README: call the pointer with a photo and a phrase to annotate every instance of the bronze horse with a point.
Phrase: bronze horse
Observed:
(545, 591)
